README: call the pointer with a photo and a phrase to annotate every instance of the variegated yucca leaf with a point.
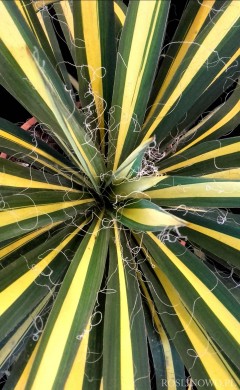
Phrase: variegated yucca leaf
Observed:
(120, 239)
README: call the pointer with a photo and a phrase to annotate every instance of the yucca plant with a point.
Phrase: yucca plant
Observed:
(120, 243)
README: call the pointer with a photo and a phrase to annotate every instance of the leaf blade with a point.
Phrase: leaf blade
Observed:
(73, 290)
(136, 66)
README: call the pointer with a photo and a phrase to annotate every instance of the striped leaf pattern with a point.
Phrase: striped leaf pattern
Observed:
(193, 66)
(136, 67)
(126, 358)
(119, 205)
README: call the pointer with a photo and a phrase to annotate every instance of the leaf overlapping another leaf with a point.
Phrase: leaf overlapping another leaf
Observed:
(119, 247)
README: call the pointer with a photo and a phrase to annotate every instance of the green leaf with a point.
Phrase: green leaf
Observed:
(21, 367)
(10, 246)
(205, 158)
(24, 213)
(191, 74)
(29, 14)
(48, 91)
(200, 354)
(180, 191)
(94, 357)
(131, 166)
(194, 17)
(91, 26)
(201, 292)
(222, 120)
(168, 367)
(13, 344)
(217, 232)
(133, 134)
(46, 23)
(76, 297)
(139, 49)
(144, 215)
(13, 176)
(120, 10)
(20, 144)
(21, 280)
(124, 357)
(188, 192)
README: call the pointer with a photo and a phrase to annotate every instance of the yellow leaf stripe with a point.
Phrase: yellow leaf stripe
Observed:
(193, 31)
(17, 288)
(19, 182)
(16, 338)
(6, 250)
(91, 32)
(215, 365)
(234, 242)
(119, 13)
(151, 217)
(228, 18)
(126, 353)
(25, 13)
(63, 116)
(212, 189)
(22, 9)
(46, 373)
(41, 21)
(77, 373)
(74, 82)
(234, 111)
(29, 63)
(170, 372)
(194, 129)
(38, 4)
(125, 168)
(19, 50)
(20, 214)
(35, 152)
(215, 305)
(21, 384)
(226, 174)
(227, 65)
(221, 151)
(77, 146)
(146, 20)
(67, 12)
(134, 188)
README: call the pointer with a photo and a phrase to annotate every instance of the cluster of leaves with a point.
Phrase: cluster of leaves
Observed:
(119, 249)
